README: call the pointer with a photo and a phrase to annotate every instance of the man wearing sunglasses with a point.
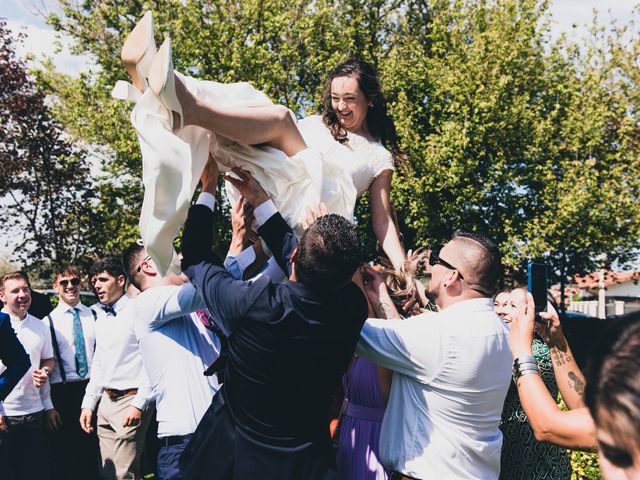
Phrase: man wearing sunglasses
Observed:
(451, 368)
(72, 328)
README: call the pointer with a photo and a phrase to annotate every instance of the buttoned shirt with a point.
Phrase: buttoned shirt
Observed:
(176, 350)
(62, 317)
(26, 398)
(117, 363)
(451, 374)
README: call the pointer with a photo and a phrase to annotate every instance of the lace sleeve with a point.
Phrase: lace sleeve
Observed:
(382, 160)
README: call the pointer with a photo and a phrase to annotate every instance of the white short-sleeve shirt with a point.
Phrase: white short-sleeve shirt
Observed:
(26, 398)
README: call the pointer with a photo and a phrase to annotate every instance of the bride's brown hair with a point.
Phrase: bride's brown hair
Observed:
(379, 122)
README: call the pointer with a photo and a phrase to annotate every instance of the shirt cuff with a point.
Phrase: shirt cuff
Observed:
(264, 212)
(206, 199)
(90, 402)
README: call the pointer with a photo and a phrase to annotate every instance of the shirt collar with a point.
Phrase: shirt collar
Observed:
(472, 305)
(65, 306)
(15, 319)
(122, 301)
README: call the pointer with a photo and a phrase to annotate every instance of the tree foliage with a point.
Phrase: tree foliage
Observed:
(44, 180)
(508, 132)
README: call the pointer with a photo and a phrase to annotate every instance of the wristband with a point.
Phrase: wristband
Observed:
(524, 359)
(46, 370)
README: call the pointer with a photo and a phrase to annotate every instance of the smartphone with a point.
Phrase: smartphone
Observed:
(537, 286)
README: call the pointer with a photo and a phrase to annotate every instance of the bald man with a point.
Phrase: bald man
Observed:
(451, 369)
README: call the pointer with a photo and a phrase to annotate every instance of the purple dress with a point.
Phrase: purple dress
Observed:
(358, 450)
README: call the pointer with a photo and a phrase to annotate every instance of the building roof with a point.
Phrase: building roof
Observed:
(591, 281)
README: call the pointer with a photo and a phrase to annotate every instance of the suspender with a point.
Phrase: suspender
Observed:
(56, 348)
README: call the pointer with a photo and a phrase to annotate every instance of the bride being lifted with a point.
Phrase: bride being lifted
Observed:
(333, 158)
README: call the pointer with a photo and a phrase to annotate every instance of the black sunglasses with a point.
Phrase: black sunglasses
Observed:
(434, 259)
(74, 281)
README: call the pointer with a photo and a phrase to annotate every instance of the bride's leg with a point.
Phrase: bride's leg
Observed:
(271, 125)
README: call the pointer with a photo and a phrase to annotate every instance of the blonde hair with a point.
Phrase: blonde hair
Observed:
(401, 283)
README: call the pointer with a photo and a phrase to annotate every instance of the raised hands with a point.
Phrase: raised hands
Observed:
(242, 235)
(376, 291)
(248, 186)
(313, 214)
(522, 326)
(209, 177)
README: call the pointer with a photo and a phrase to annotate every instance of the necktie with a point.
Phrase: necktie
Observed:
(82, 366)
(219, 364)
(108, 309)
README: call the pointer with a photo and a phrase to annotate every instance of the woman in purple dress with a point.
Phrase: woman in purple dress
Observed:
(367, 388)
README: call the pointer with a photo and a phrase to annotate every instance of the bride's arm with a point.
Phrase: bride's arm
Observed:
(382, 220)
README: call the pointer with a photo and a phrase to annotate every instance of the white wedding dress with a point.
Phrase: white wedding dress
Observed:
(327, 171)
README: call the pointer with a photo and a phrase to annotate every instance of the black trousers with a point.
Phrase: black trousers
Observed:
(76, 454)
(219, 445)
(24, 450)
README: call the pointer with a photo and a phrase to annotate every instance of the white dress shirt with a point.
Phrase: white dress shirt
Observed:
(176, 350)
(62, 317)
(26, 398)
(451, 374)
(117, 362)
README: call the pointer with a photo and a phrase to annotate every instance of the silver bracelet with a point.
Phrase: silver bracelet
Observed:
(524, 359)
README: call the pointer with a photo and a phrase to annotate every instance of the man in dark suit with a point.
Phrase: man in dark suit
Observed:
(289, 344)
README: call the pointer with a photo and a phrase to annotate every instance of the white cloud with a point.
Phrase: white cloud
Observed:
(41, 43)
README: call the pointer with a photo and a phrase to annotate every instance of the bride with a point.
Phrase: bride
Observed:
(333, 158)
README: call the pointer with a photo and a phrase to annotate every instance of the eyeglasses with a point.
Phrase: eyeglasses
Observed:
(434, 259)
(64, 283)
(148, 257)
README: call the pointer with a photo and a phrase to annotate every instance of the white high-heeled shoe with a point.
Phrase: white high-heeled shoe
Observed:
(162, 81)
(139, 50)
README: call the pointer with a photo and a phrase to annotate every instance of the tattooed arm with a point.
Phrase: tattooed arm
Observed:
(568, 375)
(573, 429)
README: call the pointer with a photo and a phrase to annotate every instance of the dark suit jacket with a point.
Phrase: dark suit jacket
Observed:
(288, 346)
(13, 355)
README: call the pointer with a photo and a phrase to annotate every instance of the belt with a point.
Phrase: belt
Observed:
(372, 414)
(174, 440)
(400, 476)
(115, 394)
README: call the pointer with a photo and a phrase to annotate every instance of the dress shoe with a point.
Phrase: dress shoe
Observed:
(139, 50)
(162, 81)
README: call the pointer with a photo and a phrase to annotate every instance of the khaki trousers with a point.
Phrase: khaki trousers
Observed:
(120, 447)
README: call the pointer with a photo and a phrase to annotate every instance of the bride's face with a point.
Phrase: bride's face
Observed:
(349, 104)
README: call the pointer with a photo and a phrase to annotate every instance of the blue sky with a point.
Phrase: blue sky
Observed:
(41, 40)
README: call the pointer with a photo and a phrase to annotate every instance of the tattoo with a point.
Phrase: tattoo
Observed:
(384, 310)
(578, 385)
(560, 358)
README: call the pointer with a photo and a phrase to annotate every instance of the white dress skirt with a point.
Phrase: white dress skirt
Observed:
(172, 163)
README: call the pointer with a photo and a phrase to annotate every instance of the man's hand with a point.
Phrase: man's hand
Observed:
(376, 291)
(40, 376)
(209, 177)
(3, 425)
(521, 331)
(313, 214)
(54, 422)
(85, 420)
(132, 417)
(241, 233)
(248, 186)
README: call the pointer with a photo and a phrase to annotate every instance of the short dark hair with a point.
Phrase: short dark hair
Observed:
(613, 382)
(489, 265)
(328, 253)
(130, 259)
(111, 265)
(69, 270)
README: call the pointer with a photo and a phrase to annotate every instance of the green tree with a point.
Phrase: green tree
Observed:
(532, 141)
(44, 180)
